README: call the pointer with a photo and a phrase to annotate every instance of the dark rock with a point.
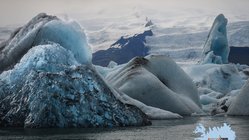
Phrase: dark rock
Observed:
(123, 50)
(239, 55)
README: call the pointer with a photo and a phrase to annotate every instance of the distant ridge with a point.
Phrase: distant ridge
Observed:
(123, 49)
(239, 55)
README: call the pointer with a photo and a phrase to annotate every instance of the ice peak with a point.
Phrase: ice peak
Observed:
(217, 39)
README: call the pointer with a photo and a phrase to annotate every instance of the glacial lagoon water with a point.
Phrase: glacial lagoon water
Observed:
(181, 129)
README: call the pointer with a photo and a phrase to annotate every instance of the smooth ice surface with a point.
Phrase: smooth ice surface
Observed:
(152, 112)
(69, 35)
(240, 103)
(157, 81)
(205, 99)
(217, 39)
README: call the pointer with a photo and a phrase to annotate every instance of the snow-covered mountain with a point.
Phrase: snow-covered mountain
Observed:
(182, 41)
(185, 44)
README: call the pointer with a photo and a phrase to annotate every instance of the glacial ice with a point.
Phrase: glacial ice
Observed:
(47, 89)
(112, 64)
(220, 78)
(159, 82)
(44, 29)
(152, 112)
(69, 35)
(217, 41)
(240, 103)
(21, 41)
(41, 58)
(51, 82)
(205, 99)
(211, 58)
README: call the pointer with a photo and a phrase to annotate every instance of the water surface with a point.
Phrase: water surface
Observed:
(181, 129)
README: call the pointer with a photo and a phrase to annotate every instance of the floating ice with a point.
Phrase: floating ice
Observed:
(159, 82)
(152, 112)
(240, 103)
(45, 90)
(44, 86)
(220, 78)
(217, 40)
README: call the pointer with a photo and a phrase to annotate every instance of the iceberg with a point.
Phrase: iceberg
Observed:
(240, 103)
(52, 83)
(157, 81)
(217, 41)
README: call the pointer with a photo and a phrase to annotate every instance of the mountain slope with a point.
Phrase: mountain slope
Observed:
(123, 50)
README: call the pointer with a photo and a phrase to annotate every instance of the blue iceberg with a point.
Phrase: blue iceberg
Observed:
(47, 80)
(216, 42)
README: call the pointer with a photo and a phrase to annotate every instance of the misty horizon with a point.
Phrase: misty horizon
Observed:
(14, 12)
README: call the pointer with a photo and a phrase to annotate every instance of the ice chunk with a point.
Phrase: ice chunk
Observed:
(205, 99)
(211, 58)
(239, 105)
(220, 78)
(112, 64)
(159, 82)
(217, 40)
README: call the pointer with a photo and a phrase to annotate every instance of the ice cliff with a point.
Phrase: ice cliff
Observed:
(216, 45)
(48, 80)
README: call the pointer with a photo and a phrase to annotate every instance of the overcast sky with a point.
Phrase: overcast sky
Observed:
(20, 11)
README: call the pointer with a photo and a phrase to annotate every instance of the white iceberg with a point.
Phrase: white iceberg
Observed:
(159, 82)
(152, 112)
(240, 103)
(219, 78)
